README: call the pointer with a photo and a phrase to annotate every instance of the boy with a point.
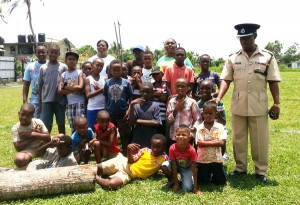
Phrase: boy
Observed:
(140, 163)
(161, 94)
(210, 137)
(28, 135)
(148, 60)
(71, 85)
(58, 153)
(138, 52)
(118, 94)
(94, 87)
(183, 159)
(205, 91)
(178, 70)
(144, 114)
(105, 141)
(136, 81)
(86, 69)
(80, 140)
(204, 61)
(182, 110)
(31, 77)
(51, 103)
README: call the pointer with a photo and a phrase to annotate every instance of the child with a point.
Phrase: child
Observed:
(86, 69)
(210, 137)
(118, 94)
(51, 103)
(148, 60)
(183, 159)
(204, 61)
(178, 70)
(80, 140)
(144, 114)
(31, 77)
(182, 110)
(136, 81)
(94, 87)
(140, 163)
(161, 94)
(71, 85)
(28, 135)
(205, 91)
(105, 141)
(58, 153)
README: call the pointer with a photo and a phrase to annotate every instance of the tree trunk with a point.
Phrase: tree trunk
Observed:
(24, 184)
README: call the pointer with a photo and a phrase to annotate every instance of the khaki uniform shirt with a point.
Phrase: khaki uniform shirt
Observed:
(250, 76)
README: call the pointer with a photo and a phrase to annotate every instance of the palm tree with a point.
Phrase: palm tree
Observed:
(15, 4)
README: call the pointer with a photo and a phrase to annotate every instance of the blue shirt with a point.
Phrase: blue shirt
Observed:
(76, 138)
(117, 94)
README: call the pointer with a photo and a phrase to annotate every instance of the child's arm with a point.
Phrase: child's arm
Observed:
(112, 135)
(88, 92)
(131, 150)
(211, 143)
(150, 123)
(61, 87)
(174, 173)
(34, 135)
(21, 145)
(76, 88)
(54, 142)
(131, 115)
(195, 172)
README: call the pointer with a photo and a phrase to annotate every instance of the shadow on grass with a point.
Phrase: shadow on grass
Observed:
(248, 182)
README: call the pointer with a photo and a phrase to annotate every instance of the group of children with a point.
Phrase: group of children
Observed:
(151, 111)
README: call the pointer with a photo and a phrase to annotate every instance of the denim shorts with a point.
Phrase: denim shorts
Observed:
(53, 108)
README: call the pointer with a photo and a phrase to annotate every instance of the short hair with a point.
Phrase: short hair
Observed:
(103, 112)
(54, 46)
(211, 105)
(41, 46)
(28, 106)
(159, 137)
(180, 48)
(185, 80)
(137, 66)
(86, 62)
(115, 61)
(148, 84)
(80, 119)
(185, 127)
(147, 52)
(104, 42)
(209, 82)
(170, 39)
(65, 140)
(98, 59)
(203, 56)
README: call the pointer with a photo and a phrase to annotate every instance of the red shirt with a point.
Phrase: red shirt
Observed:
(183, 158)
(114, 147)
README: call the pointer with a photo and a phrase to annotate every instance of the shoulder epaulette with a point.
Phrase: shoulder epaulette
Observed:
(267, 51)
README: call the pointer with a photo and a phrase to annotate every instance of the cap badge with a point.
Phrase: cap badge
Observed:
(242, 30)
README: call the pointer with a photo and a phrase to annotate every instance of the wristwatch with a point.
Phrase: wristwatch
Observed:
(276, 105)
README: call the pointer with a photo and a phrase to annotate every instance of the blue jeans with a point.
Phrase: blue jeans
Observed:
(186, 176)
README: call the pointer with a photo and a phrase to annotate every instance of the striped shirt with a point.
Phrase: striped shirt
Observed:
(162, 86)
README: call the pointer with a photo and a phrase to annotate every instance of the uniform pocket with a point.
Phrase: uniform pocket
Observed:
(238, 71)
(260, 72)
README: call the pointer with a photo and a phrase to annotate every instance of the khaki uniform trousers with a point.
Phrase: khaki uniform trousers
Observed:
(259, 138)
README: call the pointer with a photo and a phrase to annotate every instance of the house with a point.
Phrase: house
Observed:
(26, 49)
(296, 64)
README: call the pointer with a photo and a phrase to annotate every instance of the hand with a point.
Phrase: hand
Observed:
(215, 100)
(26, 135)
(96, 86)
(175, 187)
(274, 112)
(180, 105)
(137, 101)
(133, 147)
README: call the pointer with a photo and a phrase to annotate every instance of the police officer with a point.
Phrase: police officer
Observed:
(250, 69)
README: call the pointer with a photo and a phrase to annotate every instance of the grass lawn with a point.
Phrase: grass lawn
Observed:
(284, 171)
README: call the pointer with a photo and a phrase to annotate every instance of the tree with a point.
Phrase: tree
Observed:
(1, 40)
(217, 62)
(276, 48)
(291, 54)
(194, 57)
(1, 15)
(14, 4)
(85, 48)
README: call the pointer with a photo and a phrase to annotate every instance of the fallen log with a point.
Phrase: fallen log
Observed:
(24, 184)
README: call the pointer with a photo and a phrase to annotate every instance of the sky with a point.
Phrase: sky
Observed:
(201, 26)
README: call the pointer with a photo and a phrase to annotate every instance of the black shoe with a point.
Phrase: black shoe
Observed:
(236, 173)
(261, 178)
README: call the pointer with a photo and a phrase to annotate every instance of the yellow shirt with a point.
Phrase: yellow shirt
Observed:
(146, 164)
